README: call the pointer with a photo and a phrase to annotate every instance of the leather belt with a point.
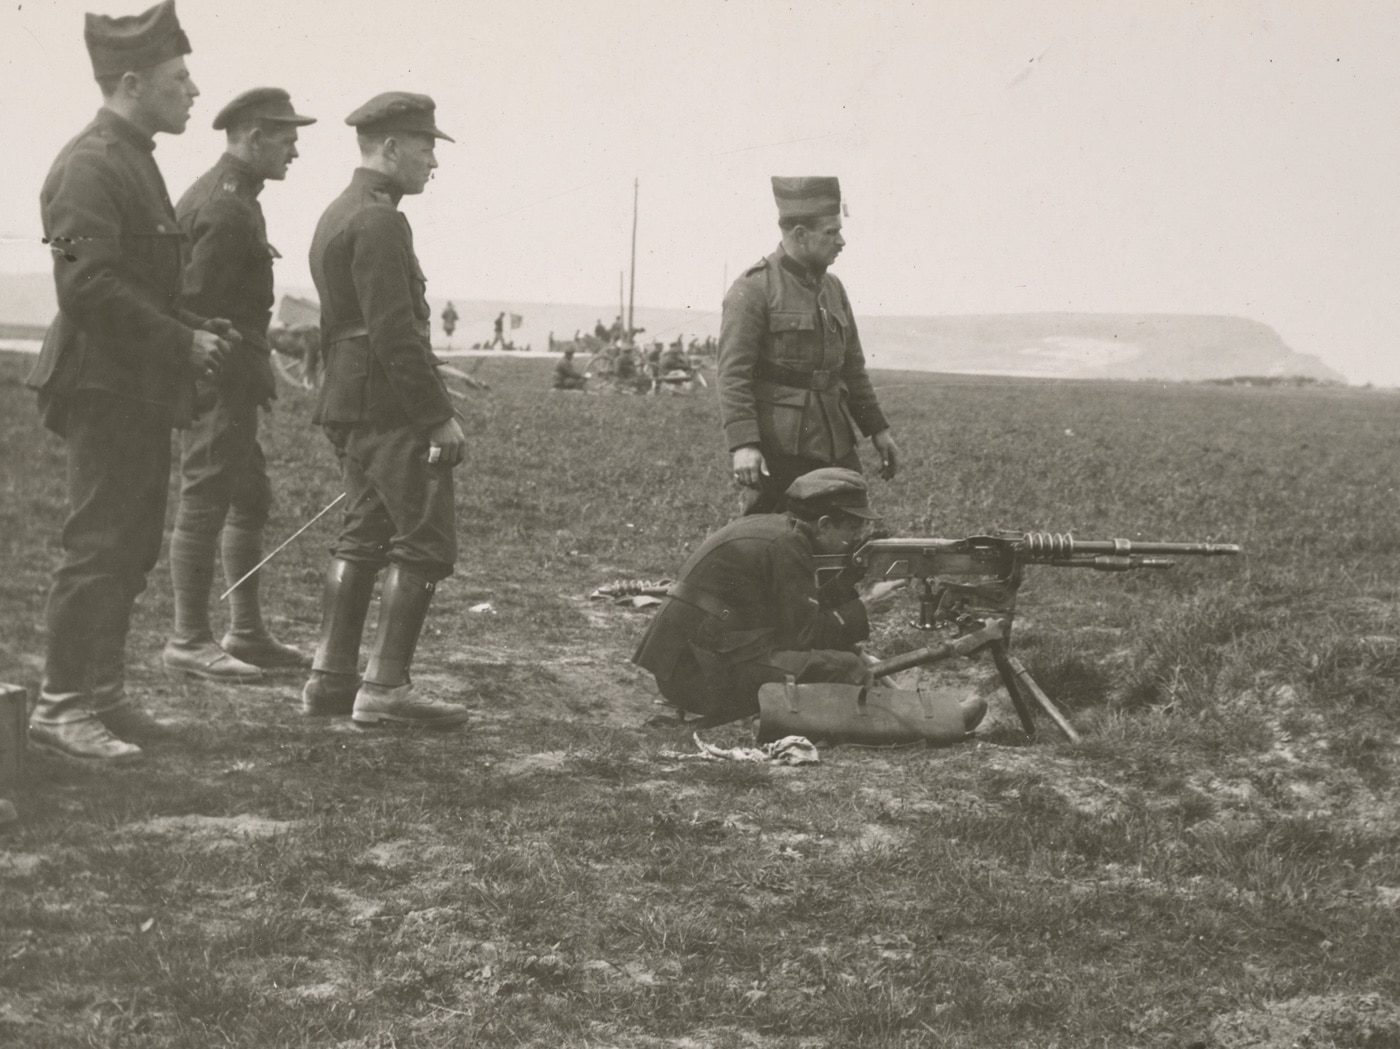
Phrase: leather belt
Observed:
(822, 379)
(357, 332)
(701, 599)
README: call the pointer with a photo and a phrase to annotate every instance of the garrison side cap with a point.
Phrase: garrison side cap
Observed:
(131, 43)
(807, 196)
(264, 104)
(398, 111)
(833, 488)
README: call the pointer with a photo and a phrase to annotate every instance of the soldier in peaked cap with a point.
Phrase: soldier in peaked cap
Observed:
(387, 412)
(225, 489)
(793, 389)
(117, 370)
(747, 609)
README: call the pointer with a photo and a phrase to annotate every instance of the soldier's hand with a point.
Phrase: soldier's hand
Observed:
(446, 443)
(749, 466)
(880, 597)
(225, 330)
(889, 453)
(207, 354)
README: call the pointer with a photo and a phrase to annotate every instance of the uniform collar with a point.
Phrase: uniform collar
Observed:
(377, 182)
(806, 274)
(111, 119)
(802, 528)
(246, 180)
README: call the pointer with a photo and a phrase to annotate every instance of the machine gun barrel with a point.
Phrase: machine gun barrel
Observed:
(1048, 546)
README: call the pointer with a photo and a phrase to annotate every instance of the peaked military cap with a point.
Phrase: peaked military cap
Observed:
(131, 43)
(833, 488)
(268, 104)
(808, 196)
(397, 111)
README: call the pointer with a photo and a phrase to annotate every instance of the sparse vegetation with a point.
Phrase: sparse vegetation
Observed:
(1217, 865)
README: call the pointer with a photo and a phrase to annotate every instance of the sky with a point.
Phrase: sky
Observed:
(1224, 157)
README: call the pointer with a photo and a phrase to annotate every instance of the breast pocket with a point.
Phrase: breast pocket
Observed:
(419, 284)
(794, 337)
(157, 257)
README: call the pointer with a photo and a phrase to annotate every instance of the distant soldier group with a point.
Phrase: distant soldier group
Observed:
(163, 322)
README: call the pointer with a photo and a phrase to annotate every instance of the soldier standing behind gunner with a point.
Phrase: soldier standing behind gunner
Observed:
(387, 412)
(792, 382)
(225, 484)
(116, 372)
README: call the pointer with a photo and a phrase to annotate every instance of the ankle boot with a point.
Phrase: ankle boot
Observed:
(330, 691)
(387, 693)
(123, 716)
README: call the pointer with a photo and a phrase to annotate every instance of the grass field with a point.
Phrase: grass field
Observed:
(1216, 865)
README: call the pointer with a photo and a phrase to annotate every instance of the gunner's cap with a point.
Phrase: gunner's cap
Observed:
(833, 488)
(807, 196)
(269, 105)
(131, 43)
(397, 111)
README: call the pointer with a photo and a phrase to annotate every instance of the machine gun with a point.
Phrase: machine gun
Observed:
(970, 585)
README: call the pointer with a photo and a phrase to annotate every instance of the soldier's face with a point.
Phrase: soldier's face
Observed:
(277, 148)
(838, 534)
(822, 242)
(164, 95)
(414, 162)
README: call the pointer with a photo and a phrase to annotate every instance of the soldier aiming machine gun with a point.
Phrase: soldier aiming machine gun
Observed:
(970, 585)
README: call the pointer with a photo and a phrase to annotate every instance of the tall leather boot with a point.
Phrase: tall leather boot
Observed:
(387, 694)
(348, 588)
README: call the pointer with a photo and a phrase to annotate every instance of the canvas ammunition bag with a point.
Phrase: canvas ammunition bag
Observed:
(871, 715)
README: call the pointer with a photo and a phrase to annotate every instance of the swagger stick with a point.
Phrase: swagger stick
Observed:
(289, 538)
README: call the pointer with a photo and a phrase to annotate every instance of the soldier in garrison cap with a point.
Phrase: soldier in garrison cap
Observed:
(225, 491)
(386, 410)
(117, 370)
(747, 609)
(793, 389)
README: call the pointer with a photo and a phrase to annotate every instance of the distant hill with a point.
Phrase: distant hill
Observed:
(1166, 347)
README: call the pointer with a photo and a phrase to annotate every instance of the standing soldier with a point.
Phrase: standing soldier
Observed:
(792, 382)
(387, 412)
(225, 484)
(117, 370)
(449, 321)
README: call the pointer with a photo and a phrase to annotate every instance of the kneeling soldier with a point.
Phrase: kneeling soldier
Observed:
(387, 412)
(747, 609)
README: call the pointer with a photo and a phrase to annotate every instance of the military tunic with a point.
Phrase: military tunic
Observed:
(792, 376)
(747, 610)
(382, 393)
(230, 275)
(118, 259)
(114, 374)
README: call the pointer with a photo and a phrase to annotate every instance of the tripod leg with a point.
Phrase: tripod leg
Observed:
(1013, 687)
(1023, 676)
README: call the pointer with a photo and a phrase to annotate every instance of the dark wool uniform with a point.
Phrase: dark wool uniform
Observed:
(382, 391)
(792, 376)
(230, 275)
(113, 376)
(226, 496)
(747, 610)
(381, 403)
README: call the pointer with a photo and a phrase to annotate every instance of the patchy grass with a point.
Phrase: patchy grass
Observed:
(1218, 864)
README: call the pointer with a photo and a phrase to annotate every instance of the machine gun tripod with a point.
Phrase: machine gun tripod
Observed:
(971, 585)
